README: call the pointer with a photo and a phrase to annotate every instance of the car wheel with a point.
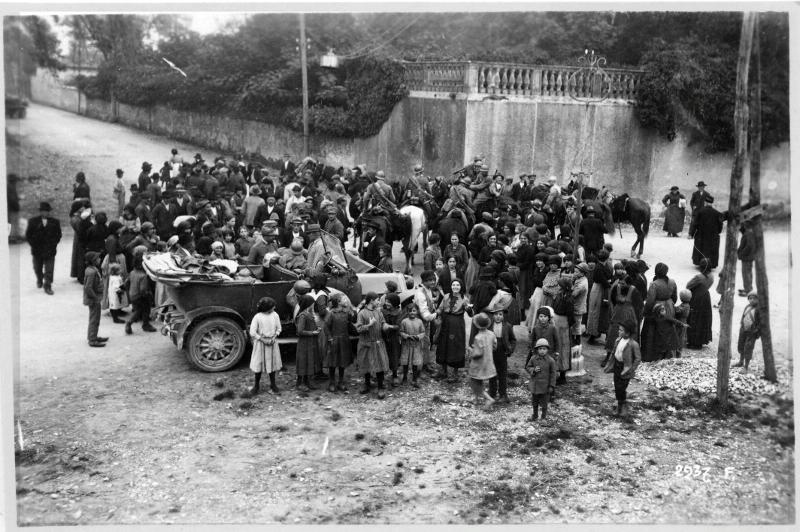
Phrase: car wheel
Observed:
(216, 344)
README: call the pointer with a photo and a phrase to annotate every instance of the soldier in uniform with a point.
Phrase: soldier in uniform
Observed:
(481, 184)
(380, 193)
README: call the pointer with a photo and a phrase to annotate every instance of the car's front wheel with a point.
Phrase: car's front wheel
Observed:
(216, 344)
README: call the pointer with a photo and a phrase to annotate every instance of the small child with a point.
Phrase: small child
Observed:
(117, 298)
(504, 348)
(140, 294)
(217, 251)
(542, 328)
(229, 248)
(481, 363)
(391, 315)
(660, 312)
(385, 258)
(339, 355)
(391, 288)
(266, 357)
(542, 369)
(749, 331)
(243, 243)
(412, 332)
(682, 315)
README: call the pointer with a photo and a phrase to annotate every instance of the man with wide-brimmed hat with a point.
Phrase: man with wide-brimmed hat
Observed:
(699, 196)
(372, 243)
(43, 235)
(705, 229)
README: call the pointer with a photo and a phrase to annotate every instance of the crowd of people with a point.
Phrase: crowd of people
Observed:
(495, 256)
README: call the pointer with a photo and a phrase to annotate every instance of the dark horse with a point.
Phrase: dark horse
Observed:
(627, 209)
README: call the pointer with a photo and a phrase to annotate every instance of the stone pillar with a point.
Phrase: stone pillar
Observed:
(471, 79)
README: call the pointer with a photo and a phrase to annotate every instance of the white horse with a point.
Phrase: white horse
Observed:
(419, 227)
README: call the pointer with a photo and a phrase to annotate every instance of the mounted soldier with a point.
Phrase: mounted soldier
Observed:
(379, 193)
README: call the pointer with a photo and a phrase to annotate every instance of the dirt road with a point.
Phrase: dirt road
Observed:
(132, 434)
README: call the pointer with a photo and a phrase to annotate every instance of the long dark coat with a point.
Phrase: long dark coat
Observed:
(592, 229)
(706, 227)
(43, 239)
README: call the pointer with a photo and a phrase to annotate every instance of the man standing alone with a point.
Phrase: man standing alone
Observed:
(43, 235)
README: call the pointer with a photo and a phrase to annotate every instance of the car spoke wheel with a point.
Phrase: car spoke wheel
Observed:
(216, 344)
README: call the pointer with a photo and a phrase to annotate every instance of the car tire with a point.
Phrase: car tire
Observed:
(216, 344)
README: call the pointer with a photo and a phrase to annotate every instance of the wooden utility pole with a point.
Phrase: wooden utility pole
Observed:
(740, 118)
(762, 283)
(304, 72)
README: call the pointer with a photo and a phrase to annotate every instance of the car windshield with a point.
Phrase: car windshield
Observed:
(334, 247)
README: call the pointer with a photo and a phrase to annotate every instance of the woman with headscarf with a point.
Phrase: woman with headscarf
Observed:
(700, 313)
(506, 299)
(659, 337)
(451, 348)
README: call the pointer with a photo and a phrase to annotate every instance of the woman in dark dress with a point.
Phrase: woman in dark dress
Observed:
(80, 189)
(449, 274)
(700, 313)
(675, 202)
(526, 261)
(81, 222)
(452, 345)
(659, 337)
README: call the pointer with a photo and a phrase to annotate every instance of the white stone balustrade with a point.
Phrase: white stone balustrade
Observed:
(526, 81)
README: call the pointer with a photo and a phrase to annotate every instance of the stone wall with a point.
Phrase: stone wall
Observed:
(545, 135)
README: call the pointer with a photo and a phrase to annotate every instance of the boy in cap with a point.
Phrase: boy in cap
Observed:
(542, 369)
(623, 363)
(749, 331)
(92, 296)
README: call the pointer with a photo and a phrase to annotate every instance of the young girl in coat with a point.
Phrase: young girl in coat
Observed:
(542, 369)
(412, 332)
(117, 299)
(307, 333)
(372, 357)
(339, 354)
(392, 317)
(266, 357)
(481, 362)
